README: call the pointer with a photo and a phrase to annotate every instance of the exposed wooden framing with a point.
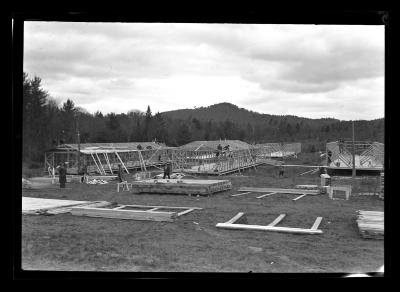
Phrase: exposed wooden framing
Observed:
(309, 171)
(265, 195)
(240, 194)
(279, 190)
(299, 197)
(235, 218)
(162, 207)
(142, 163)
(116, 153)
(148, 160)
(101, 164)
(184, 212)
(120, 213)
(108, 162)
(277, 220)
(271, 226)
(94, 159)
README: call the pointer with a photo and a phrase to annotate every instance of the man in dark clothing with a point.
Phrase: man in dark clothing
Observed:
(62, 175)
(120, 174)
(281, 170)
(167, 170)
(84, 172)
(219, 147)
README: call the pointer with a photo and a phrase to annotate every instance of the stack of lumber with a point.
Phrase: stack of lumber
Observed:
(41, 206)
(307, 187)
(97, 182)
(181, 186)
(371, 224)
(381, 195)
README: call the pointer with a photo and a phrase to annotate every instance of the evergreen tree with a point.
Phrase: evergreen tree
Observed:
(184, 135)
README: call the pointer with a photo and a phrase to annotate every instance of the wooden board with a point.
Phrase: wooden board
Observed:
(299, 197)
(265, 195)
(279, 190)
(268, 228)
(124, 214)
(277, 220)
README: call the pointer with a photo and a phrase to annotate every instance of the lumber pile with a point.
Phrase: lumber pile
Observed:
(371, 224)
(181, 186)
(97, 182)
(41, 206)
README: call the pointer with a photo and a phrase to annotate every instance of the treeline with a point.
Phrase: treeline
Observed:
(47, 124)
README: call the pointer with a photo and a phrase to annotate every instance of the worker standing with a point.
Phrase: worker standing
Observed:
(167, 170)
(281, 170)
(120, 174)
(62, 175)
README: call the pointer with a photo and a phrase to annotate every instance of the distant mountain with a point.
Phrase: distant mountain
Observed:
(227, 111)
(226, 120)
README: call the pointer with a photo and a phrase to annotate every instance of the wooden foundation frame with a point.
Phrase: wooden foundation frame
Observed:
(232, 224)
(121, 212)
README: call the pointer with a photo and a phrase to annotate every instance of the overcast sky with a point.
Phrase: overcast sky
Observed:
(304, 70)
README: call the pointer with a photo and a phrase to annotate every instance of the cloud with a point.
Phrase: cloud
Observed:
(280, 69)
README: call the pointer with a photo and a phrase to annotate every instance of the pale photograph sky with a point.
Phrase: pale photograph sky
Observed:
(313, 71)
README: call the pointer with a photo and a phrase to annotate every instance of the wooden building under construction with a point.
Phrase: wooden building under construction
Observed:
(104, 158)
(277, 150)
(369, 156)
(203, 157)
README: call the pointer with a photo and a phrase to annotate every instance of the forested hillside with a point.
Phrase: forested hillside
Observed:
(46, 124)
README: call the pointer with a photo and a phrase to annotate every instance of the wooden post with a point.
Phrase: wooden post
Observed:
(116, 153)
(95, 162)
(354, 154)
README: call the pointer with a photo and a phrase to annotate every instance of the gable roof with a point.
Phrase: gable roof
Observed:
(212, 145)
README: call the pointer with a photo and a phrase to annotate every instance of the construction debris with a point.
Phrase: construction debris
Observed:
(178, 175)
(371, 224)
(97, 182)
(181, 186)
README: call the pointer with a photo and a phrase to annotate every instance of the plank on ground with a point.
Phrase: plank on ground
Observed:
(123, 214)
(280, 190)
(277, 220)
(268, 228)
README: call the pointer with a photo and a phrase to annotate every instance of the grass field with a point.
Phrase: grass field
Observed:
(194, 244)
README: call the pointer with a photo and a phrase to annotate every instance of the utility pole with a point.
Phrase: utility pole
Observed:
(79, 143)
(354, 154)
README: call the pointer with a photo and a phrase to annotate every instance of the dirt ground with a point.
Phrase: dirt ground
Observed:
(193, 244)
